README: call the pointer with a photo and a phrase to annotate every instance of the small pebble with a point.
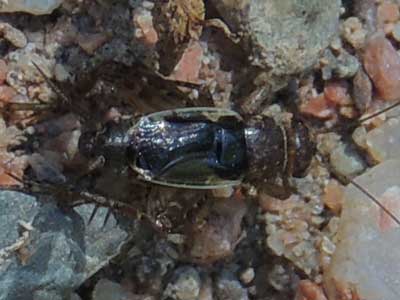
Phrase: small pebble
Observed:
(383, 143)
(13, 35)
(308, 290)
(337, 92)
(348, 112)
(145, 31)
(75, 296)
(225, 192)
(347, 65)
(109, 290)
(353, 32)
(388, 28)
(387, 13)
(362, 90)
(3, 71)
(336, 44)
(396, 32)
(346, 161)
(333, 196)
(206, 290)
(217, 234)
(247, 276)
(318, 107)
(227, 287)
(360, 137)
(185, 285)
(382, 64)
(35, 7)
(188, 68)
(60, 73)
(90, 43)
(6, 93)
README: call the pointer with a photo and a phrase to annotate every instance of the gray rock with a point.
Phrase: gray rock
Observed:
(14, 207)
(228, 287)
(35, 7)
(13, 35)
(108, 290)
(346, 161)
(75, 296)
(60, 251)
(344, 65)
(362, 90)
(367, 255)
(102, 243)
(286, 36)
(56, 260)
(347, 65)
(383, 143)
(185, 285)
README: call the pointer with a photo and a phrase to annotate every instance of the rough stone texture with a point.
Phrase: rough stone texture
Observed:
(61, 251)
(345, 161)
(35, 7)
(339, 65)
(102, 242)
(367, 258)
(362, 90)
(383, 143)
(286, 36)
(382, 64)
(366, 11)
(227, 287)
(185, 285)
(353, 32)
(109, 290)
(13, 35)
(308, 290)
(14, 207)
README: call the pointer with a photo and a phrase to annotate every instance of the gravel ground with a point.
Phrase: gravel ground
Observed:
(67, 66)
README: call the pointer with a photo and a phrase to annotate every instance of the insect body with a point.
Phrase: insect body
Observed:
(204, 147)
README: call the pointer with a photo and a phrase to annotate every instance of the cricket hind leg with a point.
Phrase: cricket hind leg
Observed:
(68, 196)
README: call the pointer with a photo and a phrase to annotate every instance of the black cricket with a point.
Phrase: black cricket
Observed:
(204, 148)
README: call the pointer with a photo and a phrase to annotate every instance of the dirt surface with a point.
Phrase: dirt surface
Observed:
(69, 68)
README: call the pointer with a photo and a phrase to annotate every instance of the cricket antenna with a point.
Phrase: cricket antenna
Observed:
(75, 107)
(352, 125)
(375, 200)
(359, 187)
(54, 87)
(355, 123)
(366, 118)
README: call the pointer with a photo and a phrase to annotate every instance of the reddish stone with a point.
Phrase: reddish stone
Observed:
(90, 43)
(388, 28)
(11, 165)
(391, 200)
(318, 107)
(145, 31)
(362, 90)
(188, 68)
(333, 197)
(216, 235)
(337, 92)
(387, 13)
(308, 290)
(6, 93)
(270, 204)
(3, 71)
(382, 64)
